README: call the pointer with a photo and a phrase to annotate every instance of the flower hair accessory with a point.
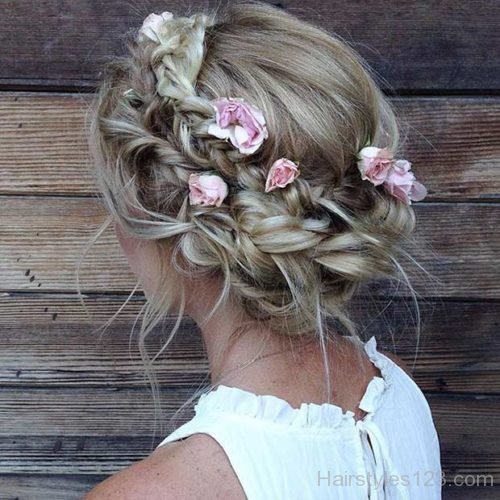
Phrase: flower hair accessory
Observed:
(240, 122)
(378, 166)
(207, 189)
(151, 26)
(281, 173)
(245, 127)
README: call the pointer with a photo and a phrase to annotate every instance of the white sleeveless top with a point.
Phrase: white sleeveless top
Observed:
(321, 452)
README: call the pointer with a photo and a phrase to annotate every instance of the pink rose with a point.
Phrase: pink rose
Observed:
(151, 25)
(401, 183)
(281, 173)
(240, 122)
(374, 164)
(206, 189)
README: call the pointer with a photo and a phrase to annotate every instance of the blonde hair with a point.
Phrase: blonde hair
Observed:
(292, 258)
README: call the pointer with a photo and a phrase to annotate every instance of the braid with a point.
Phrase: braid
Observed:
(176, 61)
(292, 255)
(319, 231)
(178, 56)
(315, 222)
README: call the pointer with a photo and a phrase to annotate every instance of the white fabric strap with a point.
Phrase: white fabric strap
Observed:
(377, 460)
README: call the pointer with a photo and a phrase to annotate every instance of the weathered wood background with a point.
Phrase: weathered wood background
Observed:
(73, 409)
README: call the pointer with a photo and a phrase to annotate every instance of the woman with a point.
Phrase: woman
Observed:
(247, 159)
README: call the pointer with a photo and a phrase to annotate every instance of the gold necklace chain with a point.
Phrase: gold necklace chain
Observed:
(258, 358)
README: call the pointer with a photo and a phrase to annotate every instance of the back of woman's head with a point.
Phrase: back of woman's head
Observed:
(291, 257)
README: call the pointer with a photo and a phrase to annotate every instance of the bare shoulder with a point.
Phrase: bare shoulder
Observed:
(160, 475)
(193, 468)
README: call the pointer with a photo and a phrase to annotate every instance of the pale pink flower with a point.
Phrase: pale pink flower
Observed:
(243, 124)
(281, 173)
(151, 25)
(402, 184)
(374, 164)
(207, 189)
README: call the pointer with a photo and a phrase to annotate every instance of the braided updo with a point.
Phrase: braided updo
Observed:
(292, 257)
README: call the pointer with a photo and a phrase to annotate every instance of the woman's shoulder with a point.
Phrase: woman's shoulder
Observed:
(192, 468)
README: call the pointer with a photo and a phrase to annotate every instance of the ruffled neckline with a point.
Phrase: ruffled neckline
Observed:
(270, 408)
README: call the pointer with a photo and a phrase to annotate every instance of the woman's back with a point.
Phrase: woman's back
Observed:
(317, 451)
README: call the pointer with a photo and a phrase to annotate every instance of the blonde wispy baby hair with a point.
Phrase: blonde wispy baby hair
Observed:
(291, 249)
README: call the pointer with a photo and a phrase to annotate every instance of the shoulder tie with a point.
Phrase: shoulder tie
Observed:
(378, 461)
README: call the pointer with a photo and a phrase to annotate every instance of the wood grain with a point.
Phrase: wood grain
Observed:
(75, 408)
(102, 412)
(44, 147)
(409, 49)
(43, 239)
(461, 492)
(47, 486)
(44, 144)
(47, 341)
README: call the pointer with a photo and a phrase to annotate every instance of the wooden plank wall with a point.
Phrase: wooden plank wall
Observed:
(74, 409)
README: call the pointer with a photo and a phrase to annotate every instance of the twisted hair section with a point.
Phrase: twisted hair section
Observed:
(293, 258)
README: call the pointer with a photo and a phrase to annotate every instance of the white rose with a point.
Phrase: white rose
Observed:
(151, 25)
